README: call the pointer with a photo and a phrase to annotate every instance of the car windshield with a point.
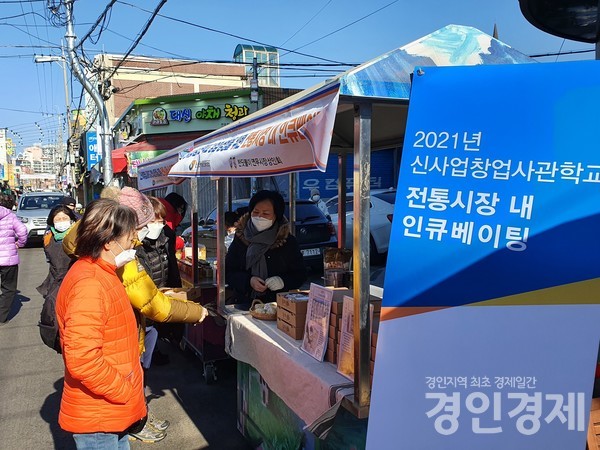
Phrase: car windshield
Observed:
(388, 197)
(39, 202)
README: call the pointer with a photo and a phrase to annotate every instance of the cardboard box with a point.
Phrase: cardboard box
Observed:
(333, 330)
(335, 319)
(294, 301)
(338, 295)
(291, 330)
(297, 320)
(338, 299)
(190, 293)
(332, 343)
(331, 356)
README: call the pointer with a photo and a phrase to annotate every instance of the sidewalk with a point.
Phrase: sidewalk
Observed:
(201, 415)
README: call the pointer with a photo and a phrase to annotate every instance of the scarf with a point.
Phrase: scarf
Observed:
(258, 244)
(59, 235)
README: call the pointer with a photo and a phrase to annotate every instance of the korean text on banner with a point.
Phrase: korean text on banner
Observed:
(294, 139)
(489, 334)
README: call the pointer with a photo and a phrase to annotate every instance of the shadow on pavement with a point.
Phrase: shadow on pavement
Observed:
(49, 412)
(17, 305)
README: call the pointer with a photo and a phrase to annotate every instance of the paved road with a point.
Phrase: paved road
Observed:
(202, 416)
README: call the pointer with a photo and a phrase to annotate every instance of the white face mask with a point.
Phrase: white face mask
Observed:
(62, 226)
(124, 257)
(143, 233)
(261, 224)
(316, 198)
(154, 230)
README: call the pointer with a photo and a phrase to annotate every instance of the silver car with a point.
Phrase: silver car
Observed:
(33, 210)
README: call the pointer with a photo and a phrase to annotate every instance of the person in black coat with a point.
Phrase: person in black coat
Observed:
(264, 258)
(157, 252)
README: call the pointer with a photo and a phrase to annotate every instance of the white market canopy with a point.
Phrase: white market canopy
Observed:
(295, 134)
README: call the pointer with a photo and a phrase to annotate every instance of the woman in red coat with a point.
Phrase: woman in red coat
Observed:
(103, 396)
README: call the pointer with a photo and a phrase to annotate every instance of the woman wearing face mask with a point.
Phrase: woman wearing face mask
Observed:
(157, 252)
(103, 396)
(264, 257)
(60, 220)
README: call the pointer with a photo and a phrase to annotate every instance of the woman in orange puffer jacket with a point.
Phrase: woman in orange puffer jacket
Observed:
(103, 396)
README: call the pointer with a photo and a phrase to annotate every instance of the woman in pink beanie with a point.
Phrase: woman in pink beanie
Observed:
(137, 201)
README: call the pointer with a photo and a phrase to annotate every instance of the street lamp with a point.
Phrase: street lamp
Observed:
(63, 63)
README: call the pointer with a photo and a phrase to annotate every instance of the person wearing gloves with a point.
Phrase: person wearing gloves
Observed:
(143, 294)
(264, 257)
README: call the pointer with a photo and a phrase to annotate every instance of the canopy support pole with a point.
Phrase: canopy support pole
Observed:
(194, 217)
(221, 251)
(292, 190)
(361, 254)
(341, 225)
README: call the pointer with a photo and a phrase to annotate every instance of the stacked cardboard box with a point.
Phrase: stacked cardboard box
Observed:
(291, 312)
(335, 330)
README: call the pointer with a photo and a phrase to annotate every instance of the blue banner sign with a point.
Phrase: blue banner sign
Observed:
(93, 155)
(490, 320)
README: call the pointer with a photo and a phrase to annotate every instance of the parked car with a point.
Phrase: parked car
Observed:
(381, 211)
(314, 230)
(33, 209)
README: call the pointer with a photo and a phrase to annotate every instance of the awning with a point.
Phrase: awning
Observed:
(290, 136)
(119, 161)
(161, 142)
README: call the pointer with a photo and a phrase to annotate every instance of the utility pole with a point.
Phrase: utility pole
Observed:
(105, 140)
(62, 60)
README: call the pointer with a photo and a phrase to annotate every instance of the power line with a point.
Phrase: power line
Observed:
(102, 19)
(573, 52)
(344, 27)
(309, 21)
(214, 30)
(139, 37)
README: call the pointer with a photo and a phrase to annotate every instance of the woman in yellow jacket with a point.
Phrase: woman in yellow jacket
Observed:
(141, 290)
(103, 396)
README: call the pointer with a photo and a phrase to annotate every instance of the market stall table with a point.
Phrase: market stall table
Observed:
(313, 390)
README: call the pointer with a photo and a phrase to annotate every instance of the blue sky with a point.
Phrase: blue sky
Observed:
(33, 95)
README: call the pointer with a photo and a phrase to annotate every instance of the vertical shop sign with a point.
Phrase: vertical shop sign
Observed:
(490, 320)
(92, 151)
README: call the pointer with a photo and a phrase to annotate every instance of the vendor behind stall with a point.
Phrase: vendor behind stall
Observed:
(264, 257)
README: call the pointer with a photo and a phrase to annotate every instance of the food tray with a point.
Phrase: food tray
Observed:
(259, 315)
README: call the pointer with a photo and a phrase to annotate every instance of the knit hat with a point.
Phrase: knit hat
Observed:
(68, 201)
(139, 203)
